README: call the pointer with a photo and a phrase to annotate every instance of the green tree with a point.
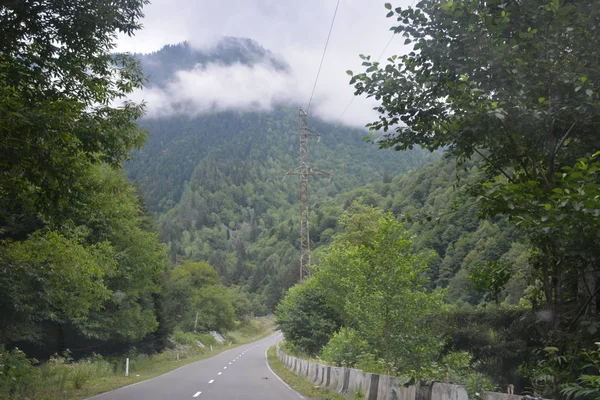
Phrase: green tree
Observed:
(515, 83)
(384, 283)
(193, 289)
(60, 86)
(50, 278)
(306, 318)
(96, 274)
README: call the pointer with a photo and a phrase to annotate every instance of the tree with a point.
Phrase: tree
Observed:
(78, 254)
(60, 85)
(306, 318)
(193, 289)
(516, 83)
(95, 275)
(50, 278)
(383, 287)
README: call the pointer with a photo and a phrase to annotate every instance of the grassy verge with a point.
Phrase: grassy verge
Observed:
(301, 385)
(61, 378)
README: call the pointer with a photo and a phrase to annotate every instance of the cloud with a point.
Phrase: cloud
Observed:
(218, 87)
(295, 31)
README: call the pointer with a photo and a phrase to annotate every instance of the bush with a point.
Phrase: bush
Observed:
(305, 318)
(345, 348)
(17, 372)
(188, 338)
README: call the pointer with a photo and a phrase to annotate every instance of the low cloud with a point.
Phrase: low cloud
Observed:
(295, 32)
(217, 87)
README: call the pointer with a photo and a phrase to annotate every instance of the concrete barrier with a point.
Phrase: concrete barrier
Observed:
(371, 386)
(444, 391)
(407, 393)
(388, 388)
(423, 392)
(356, 379)
(326, 377)
(304, 371)
(377, 387)
(337, 379)
(343, 388)
(500, 396)
(312, 371)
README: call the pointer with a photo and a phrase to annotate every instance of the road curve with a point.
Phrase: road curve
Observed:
(239, 373)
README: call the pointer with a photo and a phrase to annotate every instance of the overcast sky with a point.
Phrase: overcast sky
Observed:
(294, 30)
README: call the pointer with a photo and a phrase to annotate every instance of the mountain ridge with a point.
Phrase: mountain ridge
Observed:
(161, 65)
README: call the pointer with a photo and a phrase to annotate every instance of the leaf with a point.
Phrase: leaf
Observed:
(407, 41)
(388, 6)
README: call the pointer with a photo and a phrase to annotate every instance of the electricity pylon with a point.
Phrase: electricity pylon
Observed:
(304, 171)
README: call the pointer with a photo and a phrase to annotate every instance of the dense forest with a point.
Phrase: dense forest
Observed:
(461, 245)
(218, 181)
(82, 270)
(494, 284)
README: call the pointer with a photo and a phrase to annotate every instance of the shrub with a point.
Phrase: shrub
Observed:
(16, 372)
(345, 348)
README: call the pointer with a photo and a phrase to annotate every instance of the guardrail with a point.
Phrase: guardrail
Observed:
(378, 387)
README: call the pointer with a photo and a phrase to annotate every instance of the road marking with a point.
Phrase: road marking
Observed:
(211, 381)
(197, 394)
(219, 373)
(230, 363)
(224, 367)
(277, 376)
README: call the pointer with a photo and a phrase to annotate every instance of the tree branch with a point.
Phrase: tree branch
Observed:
(580, 313)
(558, 145)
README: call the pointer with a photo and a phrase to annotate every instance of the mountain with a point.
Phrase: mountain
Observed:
(218, 181)
(161, 65)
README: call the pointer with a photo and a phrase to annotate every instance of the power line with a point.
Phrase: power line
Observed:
(354, 97)
(381, 55)
(386, 46)
(323, 56)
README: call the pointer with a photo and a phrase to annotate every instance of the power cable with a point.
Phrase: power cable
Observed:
(354, 97)
(381, 55)
(323, 56)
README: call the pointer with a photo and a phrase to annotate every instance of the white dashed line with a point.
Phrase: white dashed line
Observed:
(197, 394)
(211, 381)
(230, 363)
(224, 367)
(219, 373)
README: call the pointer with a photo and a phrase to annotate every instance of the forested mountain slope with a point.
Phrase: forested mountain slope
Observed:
(441, 217)
(219, 183)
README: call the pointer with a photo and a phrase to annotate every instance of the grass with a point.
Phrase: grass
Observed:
(61, 378)
(301, 385)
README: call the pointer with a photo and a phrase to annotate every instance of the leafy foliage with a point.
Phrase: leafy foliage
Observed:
(552, 375)
(194, 299)
(370, 277)
(510, 83)
(58, 81)
(80, 259)
(306, 319)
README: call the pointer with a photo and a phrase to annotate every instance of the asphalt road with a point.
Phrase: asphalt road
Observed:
(239, 373)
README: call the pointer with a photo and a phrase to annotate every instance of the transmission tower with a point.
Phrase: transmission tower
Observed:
(304, 171)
